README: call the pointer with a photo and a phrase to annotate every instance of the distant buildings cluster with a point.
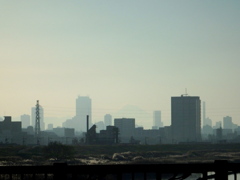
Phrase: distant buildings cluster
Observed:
(185, 127)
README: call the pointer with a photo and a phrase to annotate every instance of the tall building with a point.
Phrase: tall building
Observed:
(126, 128)
(107, 120)
(9, 127)
(186, 118)
(208, 121)
(25, 119)
(157, 122)
(83, 108)
(50, 127)
(218, 124)
(204, 114)
(227, 122)
(41, 114)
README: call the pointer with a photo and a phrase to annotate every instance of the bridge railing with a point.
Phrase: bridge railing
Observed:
(220, 169)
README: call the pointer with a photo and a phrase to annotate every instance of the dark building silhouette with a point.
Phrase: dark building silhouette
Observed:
(206, 130)
(8, 126)
(149, 136)
(219, 133)
(10, 132)
(204, 113)
(108, 136)
(126, 128)
(186, 118)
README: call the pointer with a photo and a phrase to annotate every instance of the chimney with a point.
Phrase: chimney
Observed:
(87, 123)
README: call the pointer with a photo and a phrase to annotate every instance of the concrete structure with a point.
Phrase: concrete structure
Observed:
(218, 124)
(186, 118)
(161, 135)
(83, 108)
(10, 132)
(227, 122)
(148, 136)
(157, 122)
(50, 126)
(208, 121)
(219, 134)
(204, 114)
(126, 128)
(25, 119)
(64, 132)
(108, 136)
(8, 125)
(107, 120)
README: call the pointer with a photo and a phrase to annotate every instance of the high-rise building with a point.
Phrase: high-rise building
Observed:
(157, 123)
(227, 122)
(41, 114)
(186, 118)
(25, 119)
(83, 108)
(218, 124)
(208, 121)
(50, 126)
(107, 120)
(126, 128)
(204, 114)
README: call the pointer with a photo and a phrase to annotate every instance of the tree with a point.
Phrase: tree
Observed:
(58, 150)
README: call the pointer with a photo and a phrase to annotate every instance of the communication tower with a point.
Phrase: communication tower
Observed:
(186, 94)
(37, 123)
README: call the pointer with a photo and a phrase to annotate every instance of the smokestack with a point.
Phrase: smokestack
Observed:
(87, 123)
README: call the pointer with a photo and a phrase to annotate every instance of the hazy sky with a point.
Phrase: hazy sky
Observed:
(119, 53)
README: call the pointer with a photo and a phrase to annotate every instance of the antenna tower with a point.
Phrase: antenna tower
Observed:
(186, 94)
(37, 123)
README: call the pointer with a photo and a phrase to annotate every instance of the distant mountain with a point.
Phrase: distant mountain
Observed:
(142, 118)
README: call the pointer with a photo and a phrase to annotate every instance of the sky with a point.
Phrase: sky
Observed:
(119, 53)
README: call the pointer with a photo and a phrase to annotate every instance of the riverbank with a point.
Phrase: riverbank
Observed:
(122, 154)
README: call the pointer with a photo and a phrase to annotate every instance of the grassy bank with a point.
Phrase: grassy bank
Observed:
(180, 148)
(90, 150)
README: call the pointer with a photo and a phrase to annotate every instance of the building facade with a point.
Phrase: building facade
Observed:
(25, 119)
(83, 108)
(227, 122)
(186, 118)
(126, 127)
(10, 132)
(107, 120)
(157, 121)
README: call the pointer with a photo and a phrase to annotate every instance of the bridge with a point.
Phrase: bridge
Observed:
(220, 170)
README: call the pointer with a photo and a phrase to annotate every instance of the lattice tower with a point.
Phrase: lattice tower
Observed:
(37, 123)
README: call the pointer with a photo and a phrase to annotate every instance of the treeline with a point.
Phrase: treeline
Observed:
(58, 150)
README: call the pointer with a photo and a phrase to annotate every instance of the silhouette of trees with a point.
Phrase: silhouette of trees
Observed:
(58, 151)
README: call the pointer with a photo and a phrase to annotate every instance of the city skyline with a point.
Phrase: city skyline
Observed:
(119, 53)
(128, 111)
